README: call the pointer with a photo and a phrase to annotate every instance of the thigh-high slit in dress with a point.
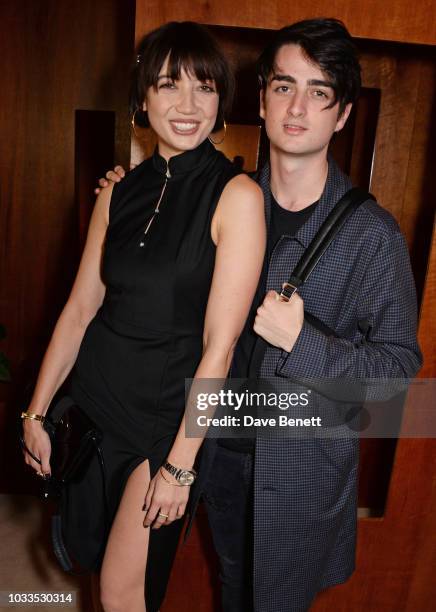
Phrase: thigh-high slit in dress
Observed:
(146, 339)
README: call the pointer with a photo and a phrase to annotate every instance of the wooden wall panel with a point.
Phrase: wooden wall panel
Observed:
(425, 560)
(396, 20)
(419, 201)
(94, 154)
(405, 142)
(57, 57)
(62, 56)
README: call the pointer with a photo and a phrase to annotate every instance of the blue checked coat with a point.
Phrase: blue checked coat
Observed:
(305, 489)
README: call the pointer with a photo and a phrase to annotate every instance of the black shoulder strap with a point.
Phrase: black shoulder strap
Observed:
(323, 238)
(311, 256)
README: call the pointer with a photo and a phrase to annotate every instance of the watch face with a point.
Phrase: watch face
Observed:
(186, 478)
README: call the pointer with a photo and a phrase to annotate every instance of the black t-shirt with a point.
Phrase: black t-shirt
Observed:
(282, 223)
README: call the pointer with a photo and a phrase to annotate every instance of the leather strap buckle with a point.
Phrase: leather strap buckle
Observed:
(287, 292)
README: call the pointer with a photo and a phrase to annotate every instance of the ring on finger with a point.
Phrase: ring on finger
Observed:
(163, 515)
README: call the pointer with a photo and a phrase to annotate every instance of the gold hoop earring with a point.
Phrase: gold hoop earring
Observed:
(215, 142)
(132, 123)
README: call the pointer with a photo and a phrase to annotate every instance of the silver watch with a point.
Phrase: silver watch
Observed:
(183, 477)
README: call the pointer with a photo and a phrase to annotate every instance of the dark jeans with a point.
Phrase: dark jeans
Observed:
(228, 496)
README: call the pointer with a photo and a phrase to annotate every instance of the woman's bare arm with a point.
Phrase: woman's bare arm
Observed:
(85, 299)
(238, 229)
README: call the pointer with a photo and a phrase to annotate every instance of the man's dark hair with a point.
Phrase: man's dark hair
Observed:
(325, 42)
(189, 46)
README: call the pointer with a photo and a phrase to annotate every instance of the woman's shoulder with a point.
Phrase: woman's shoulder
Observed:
(241, 185)
(240, 208)
(241, 197)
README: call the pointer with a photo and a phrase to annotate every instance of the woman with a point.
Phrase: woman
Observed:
(167, 276)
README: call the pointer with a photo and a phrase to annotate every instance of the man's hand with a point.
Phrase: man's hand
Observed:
(280, 323)
(113, 176)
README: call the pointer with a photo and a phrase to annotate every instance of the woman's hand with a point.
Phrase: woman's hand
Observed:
(164, 502)
(37, 441)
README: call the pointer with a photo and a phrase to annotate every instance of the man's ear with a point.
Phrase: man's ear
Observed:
(144, 106)
(262, 103)
(342, 120)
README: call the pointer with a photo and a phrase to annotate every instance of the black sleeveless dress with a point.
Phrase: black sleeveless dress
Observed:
(147, 336)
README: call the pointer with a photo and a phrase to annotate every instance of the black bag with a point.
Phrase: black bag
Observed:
(328, 231)
(75, 439)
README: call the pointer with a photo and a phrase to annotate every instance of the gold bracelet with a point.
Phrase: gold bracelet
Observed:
(33, 416)
(168, 481)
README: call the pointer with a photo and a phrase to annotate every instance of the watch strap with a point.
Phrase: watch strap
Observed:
(175, 471)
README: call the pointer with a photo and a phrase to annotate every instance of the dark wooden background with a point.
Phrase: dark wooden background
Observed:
(58, 57)
(64, 120)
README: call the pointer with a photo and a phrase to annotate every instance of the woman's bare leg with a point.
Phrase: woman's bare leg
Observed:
(95, 593)
(123, 570)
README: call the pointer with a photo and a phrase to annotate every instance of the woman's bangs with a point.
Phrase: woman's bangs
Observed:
(196, 64)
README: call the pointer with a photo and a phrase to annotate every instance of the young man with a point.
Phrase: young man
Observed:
(295, 499)
(283, 511)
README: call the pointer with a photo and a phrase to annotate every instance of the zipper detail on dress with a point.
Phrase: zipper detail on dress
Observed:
(156, 210)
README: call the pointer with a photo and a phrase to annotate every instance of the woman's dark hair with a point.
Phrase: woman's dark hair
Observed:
(326, 42)
(189, 46)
